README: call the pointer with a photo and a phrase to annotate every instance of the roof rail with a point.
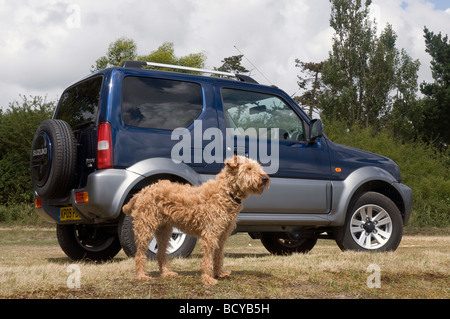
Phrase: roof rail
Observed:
(140, 64)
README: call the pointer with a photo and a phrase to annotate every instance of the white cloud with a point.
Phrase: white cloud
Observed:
(44, 47)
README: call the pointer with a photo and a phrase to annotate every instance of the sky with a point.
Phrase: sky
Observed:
(48, 45)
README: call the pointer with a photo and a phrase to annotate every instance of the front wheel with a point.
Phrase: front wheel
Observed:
(373, 223)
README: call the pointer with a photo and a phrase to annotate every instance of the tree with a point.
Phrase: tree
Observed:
(166, 54)
(362, 70)
(126, 49)
(232, 64)
(311, 84)
(344, 71)
(118, 51)
(436, 112)
(379, 80)
(405, 119)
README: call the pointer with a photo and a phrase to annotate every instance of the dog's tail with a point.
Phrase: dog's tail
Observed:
(128, 207)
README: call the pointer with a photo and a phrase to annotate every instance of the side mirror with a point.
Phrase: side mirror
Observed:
(258, 109)
(315, 131)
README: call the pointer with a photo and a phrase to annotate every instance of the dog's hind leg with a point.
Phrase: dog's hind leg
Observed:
(142, 234)
(163, 235)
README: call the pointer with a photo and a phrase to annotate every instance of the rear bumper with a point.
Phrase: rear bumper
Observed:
(106, 191)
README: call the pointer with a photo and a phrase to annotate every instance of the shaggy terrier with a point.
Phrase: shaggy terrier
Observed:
(208, 211)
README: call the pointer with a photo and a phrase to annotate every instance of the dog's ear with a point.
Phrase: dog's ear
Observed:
(232, 162)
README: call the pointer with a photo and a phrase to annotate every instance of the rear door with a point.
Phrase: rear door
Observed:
(263, 125)
(79, 106)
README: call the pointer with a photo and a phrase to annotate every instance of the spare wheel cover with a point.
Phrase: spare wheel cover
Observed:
(53, 159)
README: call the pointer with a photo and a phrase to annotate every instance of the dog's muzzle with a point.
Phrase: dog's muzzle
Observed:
(265, 181)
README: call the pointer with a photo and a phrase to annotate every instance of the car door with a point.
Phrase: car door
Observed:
(264, 126)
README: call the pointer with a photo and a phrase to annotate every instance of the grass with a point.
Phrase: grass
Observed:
(33, 266)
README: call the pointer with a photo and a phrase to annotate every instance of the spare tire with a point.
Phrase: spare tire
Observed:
(53, 159)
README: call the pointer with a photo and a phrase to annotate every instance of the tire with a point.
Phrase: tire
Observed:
(373, 223)
(88, 242)
(181, 245)
(53, 159)
(282, 244)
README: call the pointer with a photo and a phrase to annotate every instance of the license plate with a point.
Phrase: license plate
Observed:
(68, 213)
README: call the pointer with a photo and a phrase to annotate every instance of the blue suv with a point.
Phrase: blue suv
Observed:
(123, 128)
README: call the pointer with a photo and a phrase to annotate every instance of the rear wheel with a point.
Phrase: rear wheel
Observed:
(284, 244)
(180, 244)
(373, 223)
(89, 242)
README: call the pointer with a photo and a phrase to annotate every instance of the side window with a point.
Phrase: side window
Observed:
(79, 104)
(160, 103)
(247, 109)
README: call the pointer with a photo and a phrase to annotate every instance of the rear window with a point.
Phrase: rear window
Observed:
(160, 103)
(78, 105)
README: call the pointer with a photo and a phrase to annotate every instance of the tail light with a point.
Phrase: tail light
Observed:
(81, 197)
(38, 202)
(104, 146)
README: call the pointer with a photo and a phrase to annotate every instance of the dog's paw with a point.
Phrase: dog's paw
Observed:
(143, 277)
(208, 280)
(169, 273)
(224, 274)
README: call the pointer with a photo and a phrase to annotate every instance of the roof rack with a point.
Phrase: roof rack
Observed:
(140, 64)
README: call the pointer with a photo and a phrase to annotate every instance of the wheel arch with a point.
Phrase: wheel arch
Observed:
(151, 179)
(152, 170)
(363, 180)
(384, 188)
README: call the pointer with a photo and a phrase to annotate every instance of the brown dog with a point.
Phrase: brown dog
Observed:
(208, 211)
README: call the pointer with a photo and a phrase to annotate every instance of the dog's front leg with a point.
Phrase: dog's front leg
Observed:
(140, 267)
(207, 263)
(219, 254)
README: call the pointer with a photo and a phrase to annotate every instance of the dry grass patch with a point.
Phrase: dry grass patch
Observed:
(418, 269)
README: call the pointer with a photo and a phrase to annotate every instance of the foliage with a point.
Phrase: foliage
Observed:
(166, 54)
(20, 214)
(120, 50)
(437, 94)
(232, 64)
(365, 79)
(311, 80)
(364, 70)
(405, 117)
(126, 49)
(17, 127)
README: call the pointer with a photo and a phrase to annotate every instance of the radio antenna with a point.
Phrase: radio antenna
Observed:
(254, 66)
